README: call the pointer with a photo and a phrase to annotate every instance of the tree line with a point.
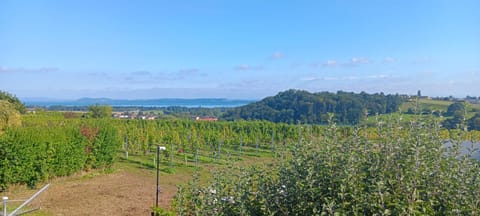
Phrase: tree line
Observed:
(294, 106)
(457, 117)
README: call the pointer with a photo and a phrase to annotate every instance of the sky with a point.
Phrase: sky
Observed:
(245, 49)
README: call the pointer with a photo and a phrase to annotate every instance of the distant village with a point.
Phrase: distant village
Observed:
(153, 116)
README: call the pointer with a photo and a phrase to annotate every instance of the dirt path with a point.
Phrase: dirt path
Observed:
(129, 190)
(123, 192)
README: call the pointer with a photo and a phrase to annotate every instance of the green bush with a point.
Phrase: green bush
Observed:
(395, 170)
(37, 152)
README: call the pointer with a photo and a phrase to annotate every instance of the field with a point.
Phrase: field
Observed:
(247, 163)
(127, 185)
(410, 109)
(127, 188)
(432, 104)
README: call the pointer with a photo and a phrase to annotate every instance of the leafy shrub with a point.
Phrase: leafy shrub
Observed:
(37, 152)
(396, 170)
(12, 99)
(9, 116)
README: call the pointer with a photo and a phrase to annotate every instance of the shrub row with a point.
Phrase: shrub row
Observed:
(401, 171)
(34, 153)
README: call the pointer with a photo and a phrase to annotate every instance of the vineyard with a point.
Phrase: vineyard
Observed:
(392, 170)
(49, 145)
(395, 167)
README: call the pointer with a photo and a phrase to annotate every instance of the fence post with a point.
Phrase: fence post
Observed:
(158, 169)
(5, 199)
(241, 144)
(126, 147)
(28, 200)
(256, 143)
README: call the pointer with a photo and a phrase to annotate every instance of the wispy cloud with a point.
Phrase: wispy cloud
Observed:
(473, 73)
(277, 55)
(247, 67)
(344, 78)
(297, 64)
(141, 73)
(377, 76)
(190, 72)
(252, 83)
(355, 61)
(330, 63)
(310, 78)
(145, 76)
(98, 74)
(389, 60)
(422, 60)
(28, 70)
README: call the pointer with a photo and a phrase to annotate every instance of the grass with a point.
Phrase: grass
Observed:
(204, 157)
(140, 169)
(424, 106)
(432, 104)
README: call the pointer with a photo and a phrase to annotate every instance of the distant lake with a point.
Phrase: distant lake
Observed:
(464, 148)
(167, 102)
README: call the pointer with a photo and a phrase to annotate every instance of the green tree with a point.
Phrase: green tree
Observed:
(293, 106)
(474, 122)
(456, 112)
(457, 108)
(100, 111)
(17, 104)
(8, 115)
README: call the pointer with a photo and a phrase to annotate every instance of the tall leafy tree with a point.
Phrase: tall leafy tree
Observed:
(99, 111)
(474, 122)
(456, 112)
(456, 109)
(8, 115)
(17, 104)
(295, 106)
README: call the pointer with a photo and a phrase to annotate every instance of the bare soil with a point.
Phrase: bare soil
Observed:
(128, 190)
(123, 192)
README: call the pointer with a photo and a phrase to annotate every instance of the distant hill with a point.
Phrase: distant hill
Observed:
(164, 102)
(297, 105)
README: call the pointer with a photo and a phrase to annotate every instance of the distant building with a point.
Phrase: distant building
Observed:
(134, 115)
(206, 118)
(32, 110)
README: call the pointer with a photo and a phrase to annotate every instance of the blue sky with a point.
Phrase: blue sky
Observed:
(237, 49)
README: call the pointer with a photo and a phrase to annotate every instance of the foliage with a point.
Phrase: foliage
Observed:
(140, 135)
(43, 149)
(9, 116)
(474, 122)
(457, 112)
(19, 106)
(162, 212)
(392, 170)
(456, 109)
(99, 111)
(54, 144)
(170, 111)
(293, 106)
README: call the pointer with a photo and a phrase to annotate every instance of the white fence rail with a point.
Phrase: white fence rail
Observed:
(17, 210)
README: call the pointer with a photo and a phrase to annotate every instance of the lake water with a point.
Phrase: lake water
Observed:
(465, 147)
(167, 102)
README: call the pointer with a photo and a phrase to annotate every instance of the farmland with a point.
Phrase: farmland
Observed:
(239, 108)
(388, 164)
(49, 148)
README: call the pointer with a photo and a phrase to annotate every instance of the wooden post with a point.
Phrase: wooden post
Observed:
(158, 172)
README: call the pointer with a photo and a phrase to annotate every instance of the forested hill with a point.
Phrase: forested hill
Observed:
(292, 106)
